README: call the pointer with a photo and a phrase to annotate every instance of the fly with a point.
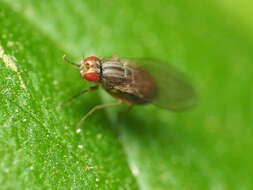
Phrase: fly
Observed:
(136, 81)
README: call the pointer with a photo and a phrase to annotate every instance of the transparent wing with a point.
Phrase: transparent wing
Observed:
(174, 91)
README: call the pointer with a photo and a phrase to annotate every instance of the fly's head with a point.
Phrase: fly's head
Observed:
(90, 69)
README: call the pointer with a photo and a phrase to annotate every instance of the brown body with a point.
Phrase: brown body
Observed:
(127, 82)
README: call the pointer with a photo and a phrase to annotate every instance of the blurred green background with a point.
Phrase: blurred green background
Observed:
(149, 148)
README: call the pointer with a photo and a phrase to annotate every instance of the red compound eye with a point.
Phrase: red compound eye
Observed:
(91, 58)
(92, 77)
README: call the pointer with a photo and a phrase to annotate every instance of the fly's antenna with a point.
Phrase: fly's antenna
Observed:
(69, 62)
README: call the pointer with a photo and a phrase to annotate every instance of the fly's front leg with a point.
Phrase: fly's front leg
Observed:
(97, 108)
(79, 94)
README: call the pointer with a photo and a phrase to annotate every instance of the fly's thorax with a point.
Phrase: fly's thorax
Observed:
(130, 82)
(116, 69)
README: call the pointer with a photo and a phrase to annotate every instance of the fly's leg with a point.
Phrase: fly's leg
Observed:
(129, 107)
(124, 100)
(97, 108)
(79, 94)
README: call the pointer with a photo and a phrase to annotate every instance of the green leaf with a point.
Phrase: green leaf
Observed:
(148, 148)
(39, 147)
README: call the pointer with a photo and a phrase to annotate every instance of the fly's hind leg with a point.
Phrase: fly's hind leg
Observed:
(97, 108)
(129, 107)
(125, 101)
